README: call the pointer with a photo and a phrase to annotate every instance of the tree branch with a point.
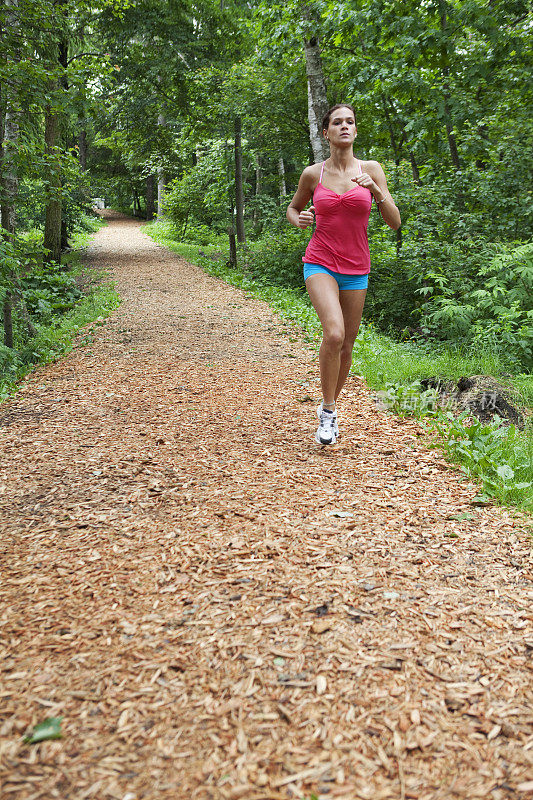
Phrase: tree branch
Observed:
(83, 55)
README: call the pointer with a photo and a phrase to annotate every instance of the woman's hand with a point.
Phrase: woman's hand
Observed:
(306, 218)
(368, 183)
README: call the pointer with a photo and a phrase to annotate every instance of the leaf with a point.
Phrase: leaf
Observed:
(481, 500)
(506, 472)
(50, 728)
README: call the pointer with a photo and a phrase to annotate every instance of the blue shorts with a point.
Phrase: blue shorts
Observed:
(344, 281)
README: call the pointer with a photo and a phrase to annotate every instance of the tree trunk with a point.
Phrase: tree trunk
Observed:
(161, 180)
(161, 185)
(231, 206)
(63, 81)
(394, 144)
(8, 320)
(452, 141)
(9, 133)
(448, 121)
(414, 168)
(281, 173)
(317, 100)
(258, 187)
(10, 177)
(150, 187)
(64, 232)
(52, 222)
(239, 191)
(232, 246)
(82, 149)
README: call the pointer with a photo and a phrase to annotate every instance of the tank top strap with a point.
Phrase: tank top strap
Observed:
(321, 172)
(359, 170)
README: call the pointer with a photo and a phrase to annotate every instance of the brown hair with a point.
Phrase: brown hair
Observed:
(327, 116)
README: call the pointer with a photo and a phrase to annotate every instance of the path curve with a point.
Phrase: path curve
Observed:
(218, 608)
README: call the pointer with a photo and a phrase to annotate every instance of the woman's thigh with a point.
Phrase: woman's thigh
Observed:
(352, 302)
(323, 291)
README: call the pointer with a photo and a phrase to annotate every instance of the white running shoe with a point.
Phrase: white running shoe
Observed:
(336, 422)
(328, 429)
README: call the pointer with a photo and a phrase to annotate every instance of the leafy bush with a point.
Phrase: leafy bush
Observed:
(50, 291)
(496, 313)
(200, 196)
(276, 258)
(493, 452)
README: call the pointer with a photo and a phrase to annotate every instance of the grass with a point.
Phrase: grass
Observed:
(57, 338)
(500, 457)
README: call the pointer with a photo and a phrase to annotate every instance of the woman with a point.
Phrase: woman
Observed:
(337, 258)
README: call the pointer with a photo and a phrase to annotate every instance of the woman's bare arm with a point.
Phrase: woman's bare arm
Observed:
(295, 212)
(375, 180)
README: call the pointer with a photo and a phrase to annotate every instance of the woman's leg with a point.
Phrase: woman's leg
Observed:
(351, 302)
(324, 293)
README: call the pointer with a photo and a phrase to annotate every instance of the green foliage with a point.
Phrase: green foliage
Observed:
(60, 300)
(200, 196)
(409, 399)
(495, 311)
(276, 258)
(497, 454)
(49, 728)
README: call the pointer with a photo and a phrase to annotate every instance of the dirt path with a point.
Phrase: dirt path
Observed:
(177, 585)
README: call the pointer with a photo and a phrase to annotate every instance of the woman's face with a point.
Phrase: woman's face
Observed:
(341, 128)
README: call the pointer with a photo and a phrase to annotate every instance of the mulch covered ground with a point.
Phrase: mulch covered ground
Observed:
(217, 607)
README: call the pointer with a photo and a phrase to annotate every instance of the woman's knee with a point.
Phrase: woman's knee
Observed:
(348, 343)
(333, 338)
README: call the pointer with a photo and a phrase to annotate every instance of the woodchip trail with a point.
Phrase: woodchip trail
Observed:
(220, 609)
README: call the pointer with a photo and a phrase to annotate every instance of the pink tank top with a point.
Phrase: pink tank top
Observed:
(340, 241)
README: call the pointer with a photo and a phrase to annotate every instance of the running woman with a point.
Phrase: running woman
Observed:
(337, 258)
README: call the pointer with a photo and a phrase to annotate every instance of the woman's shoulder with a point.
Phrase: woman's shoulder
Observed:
(311, 175)
(367, 165)
(314, 168)
(371, 167)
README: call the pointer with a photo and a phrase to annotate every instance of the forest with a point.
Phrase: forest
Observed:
(199, 116)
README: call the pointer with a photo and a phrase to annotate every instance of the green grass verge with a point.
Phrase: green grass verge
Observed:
(56, 339)
(500, 457)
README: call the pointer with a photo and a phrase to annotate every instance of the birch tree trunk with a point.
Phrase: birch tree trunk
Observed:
(317, 100)
(281, 173)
